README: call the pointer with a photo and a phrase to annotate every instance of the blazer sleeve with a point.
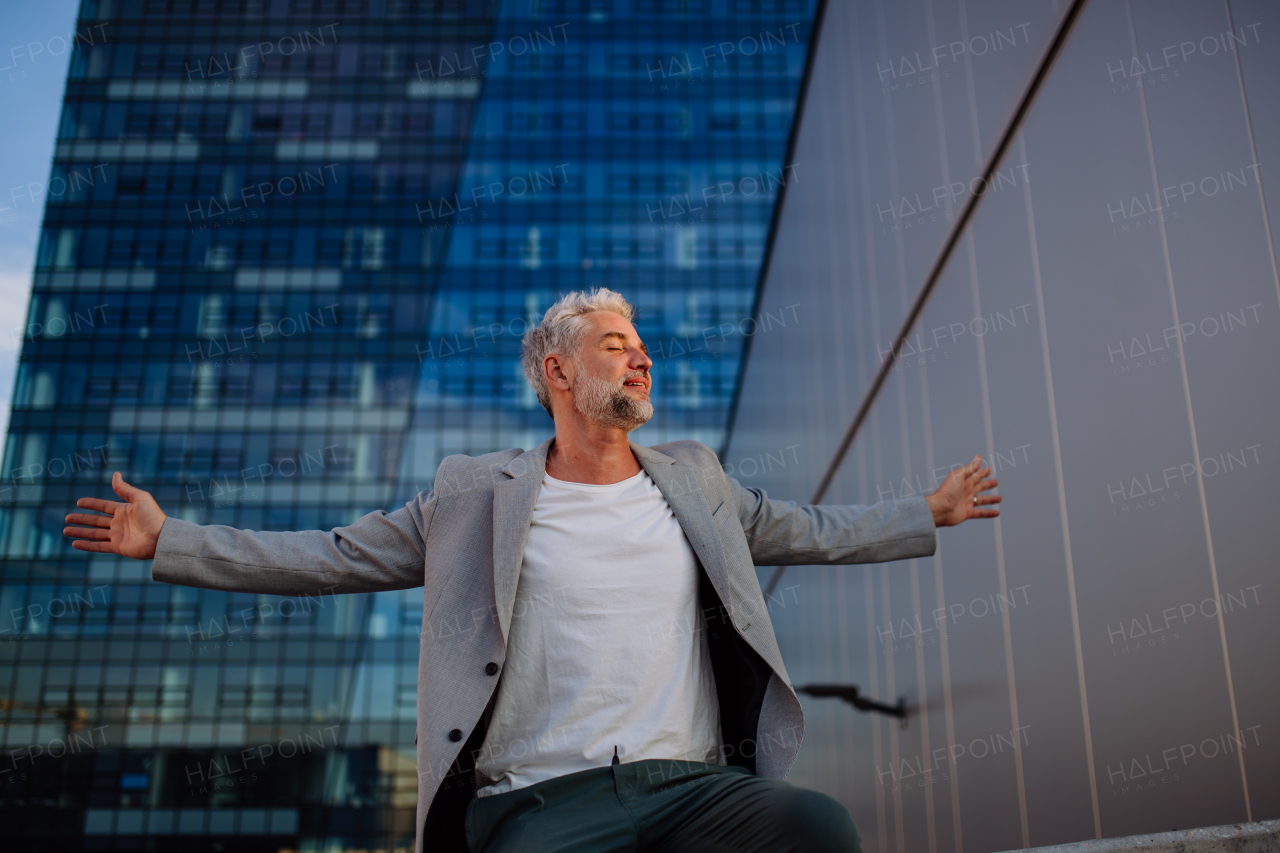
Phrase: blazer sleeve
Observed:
(379, 551)
(782, 533)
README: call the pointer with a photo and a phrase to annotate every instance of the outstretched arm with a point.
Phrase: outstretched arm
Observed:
(379, 551)
(786, 533)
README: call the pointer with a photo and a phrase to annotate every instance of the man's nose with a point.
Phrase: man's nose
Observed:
(640, 360)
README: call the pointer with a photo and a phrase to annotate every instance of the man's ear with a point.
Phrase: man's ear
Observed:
(558, 371)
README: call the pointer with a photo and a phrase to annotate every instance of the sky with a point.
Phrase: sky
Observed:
(34, 54)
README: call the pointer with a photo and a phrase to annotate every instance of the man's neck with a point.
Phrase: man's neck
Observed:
(590, 453)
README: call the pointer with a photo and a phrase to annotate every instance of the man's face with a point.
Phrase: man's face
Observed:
(611, 373)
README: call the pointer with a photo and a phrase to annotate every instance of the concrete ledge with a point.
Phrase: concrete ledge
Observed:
(1261, 837)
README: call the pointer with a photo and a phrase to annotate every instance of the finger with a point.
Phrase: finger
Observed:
(89, 520)
(99, 547)
(980, 473)
(987, 485)
(983, 500)
(86, 533)
(985, 513)
(123, 489)
(99, 504)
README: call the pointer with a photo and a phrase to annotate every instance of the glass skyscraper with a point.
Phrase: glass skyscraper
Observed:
(294, 249)
(290, 248)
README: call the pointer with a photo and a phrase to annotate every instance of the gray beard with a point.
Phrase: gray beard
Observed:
(608, 404)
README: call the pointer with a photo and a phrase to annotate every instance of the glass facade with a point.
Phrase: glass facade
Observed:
(1100, 660)
(296, 246)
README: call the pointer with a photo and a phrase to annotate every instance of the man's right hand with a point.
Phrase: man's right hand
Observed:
(130, 529)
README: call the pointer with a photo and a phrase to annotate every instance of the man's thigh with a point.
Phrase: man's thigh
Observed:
(578, 813)
(727, 810)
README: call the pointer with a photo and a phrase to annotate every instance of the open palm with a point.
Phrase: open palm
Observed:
(130, 528)
(962, 495)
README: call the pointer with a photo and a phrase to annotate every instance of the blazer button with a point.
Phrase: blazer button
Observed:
(491, 668)
(455, 735)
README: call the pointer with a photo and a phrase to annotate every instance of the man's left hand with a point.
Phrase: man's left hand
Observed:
(961, 497)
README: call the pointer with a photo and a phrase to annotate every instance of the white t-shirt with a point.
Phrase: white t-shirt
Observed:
(607, 644)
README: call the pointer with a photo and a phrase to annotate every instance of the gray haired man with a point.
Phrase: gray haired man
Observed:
(622, 688)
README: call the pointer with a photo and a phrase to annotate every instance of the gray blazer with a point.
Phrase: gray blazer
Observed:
(464, 542)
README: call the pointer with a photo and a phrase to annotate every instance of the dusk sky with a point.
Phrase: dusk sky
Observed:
(33, 70)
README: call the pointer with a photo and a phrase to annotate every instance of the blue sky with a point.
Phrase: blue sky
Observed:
(34, 53)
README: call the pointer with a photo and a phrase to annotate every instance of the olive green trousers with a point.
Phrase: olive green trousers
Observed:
(660, 806)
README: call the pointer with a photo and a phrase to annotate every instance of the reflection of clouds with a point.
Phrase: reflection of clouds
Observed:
(15, 291)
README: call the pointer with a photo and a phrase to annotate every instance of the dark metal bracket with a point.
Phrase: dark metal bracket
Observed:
(851, 694)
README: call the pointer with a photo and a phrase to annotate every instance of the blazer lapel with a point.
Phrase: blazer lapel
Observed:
(513, 502)
(679, 485)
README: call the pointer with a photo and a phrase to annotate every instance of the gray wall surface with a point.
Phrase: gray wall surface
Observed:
(1102, 660)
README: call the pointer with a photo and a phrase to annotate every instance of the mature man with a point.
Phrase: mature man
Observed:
(618, 686)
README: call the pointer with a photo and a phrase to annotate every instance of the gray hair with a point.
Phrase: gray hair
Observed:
(561, 331)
